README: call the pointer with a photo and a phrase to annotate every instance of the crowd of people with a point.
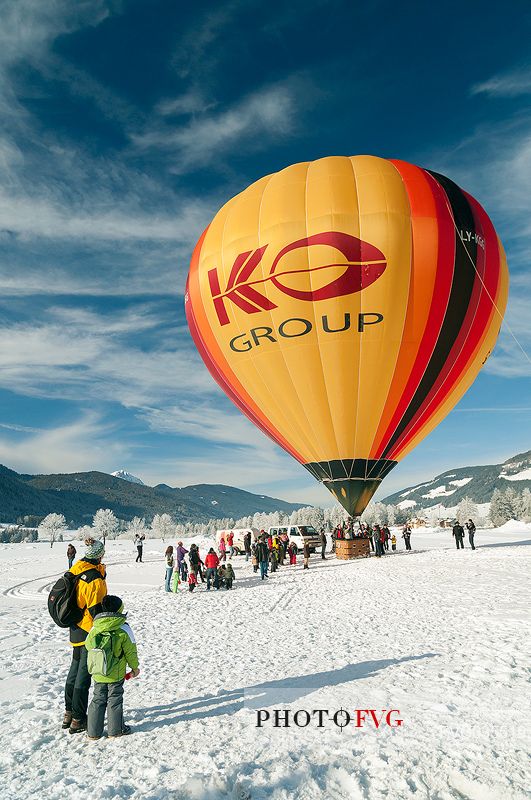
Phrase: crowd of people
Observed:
(266, 553)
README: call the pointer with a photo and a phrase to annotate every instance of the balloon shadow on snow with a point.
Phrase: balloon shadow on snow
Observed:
(261, 695)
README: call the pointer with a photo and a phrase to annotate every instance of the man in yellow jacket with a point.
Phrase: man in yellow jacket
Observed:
(90, 591)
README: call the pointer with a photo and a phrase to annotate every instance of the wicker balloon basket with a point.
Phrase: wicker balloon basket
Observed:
(347, 549)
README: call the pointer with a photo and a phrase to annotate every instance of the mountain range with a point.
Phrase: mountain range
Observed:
(79, 495)
(477, 483)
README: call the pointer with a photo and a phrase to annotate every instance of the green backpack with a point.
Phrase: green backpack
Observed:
(102, 657)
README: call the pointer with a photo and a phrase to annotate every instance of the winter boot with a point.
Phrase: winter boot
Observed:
(67, 719)
(125, 731)
(77, 725)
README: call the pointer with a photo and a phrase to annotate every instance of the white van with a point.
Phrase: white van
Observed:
(299, 534)
(239, 533)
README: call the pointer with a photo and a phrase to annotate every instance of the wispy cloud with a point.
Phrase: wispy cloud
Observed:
(74, 447)
(507, 84)
(262, 116)
(82, 354)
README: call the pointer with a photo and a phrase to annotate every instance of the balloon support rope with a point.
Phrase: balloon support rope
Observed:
(504, 322)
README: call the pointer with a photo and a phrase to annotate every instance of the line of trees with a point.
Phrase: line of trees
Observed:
(505, 505)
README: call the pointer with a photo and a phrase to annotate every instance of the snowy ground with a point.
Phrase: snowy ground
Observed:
(440, 635)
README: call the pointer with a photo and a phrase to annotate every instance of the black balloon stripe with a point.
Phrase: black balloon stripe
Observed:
(460, 294)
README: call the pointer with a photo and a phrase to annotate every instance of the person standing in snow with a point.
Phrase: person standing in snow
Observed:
(181, 552)
(393, 542)
(109, 687)
(306, 553)
(211, 563)
(262, 552)
(90, 590)
(229, 576)
(139, 541)
(292, 550)
(387, 537)
(222, 549)
(70, 554)
(323, 543)
(458, 533)
(471, 528)
(254, 556)
(406, 536)
(376, 540)
(230, 542)
(247, 545)
(169, 567)
(195, 562)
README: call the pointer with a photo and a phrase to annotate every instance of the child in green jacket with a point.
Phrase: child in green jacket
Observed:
(111, 646)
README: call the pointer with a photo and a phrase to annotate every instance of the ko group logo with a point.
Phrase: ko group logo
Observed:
(362, 264)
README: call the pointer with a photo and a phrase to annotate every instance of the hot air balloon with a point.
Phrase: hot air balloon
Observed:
(345, 305)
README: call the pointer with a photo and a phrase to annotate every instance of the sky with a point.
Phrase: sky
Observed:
(125, 125)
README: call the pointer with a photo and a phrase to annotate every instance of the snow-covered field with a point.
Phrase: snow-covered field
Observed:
(440, 635)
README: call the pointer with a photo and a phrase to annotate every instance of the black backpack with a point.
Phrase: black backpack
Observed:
(62, 602)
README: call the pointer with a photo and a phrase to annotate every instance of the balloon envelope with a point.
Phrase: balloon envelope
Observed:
(345, 305)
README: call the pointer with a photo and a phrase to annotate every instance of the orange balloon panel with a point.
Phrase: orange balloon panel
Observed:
(345, 305)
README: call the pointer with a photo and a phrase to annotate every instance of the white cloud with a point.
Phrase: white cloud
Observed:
(79, 354)
(508, 84)
(258, 118)
(74, 447)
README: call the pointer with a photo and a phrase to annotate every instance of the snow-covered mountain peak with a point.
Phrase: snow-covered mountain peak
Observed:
(126, 476)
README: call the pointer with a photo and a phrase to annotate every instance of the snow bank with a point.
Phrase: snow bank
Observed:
(515, 525)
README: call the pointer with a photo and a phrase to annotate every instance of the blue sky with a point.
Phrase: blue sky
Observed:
(125, 126)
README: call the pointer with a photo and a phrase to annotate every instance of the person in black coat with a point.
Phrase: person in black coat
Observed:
(195, 561)
(406, 536)
(471, 528)
(262, 552)
(458, 532)
(323, 543)
(247, 545)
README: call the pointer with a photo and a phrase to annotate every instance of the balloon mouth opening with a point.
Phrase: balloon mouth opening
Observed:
(352, 482)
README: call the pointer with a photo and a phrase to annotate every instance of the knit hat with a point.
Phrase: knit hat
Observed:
(112, 604)
(95, 549)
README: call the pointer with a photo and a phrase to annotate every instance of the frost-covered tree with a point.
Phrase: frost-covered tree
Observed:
(52, 525)
(105, 524)
(84, 532)
(163, 526)
(136, 526)
(525, 505)
(391, 515)
(466, 510)
(512, 502)
(501, 508)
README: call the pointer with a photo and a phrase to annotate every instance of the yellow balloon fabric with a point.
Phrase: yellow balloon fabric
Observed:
(345, 305)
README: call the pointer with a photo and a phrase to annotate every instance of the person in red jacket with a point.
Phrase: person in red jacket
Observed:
(230, 542)
(211, 564)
